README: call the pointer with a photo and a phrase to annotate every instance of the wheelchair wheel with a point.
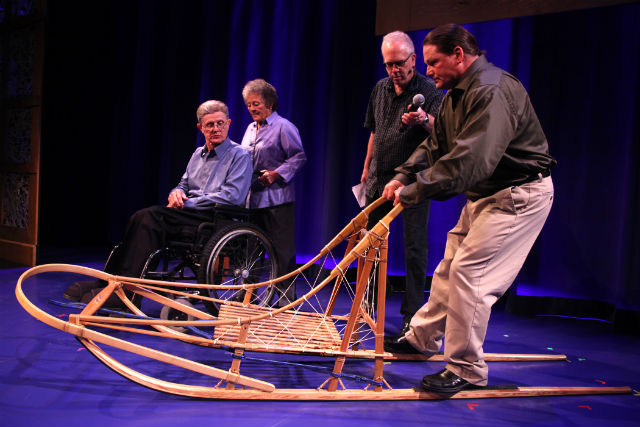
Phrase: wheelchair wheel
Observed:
(168, 313)
(171, 266)
(238, 254)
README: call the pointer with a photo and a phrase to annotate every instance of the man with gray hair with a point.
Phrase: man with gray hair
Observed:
(217, 173)
(396, 130)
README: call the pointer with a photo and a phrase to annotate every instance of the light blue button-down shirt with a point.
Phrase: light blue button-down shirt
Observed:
(275, 147)
(222, 175)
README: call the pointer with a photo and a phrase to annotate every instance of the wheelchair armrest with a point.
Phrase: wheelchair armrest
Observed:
(231, 211)
(221, 215)
(206, 226)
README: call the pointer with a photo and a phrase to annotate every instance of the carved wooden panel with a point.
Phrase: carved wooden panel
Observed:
(21, 52)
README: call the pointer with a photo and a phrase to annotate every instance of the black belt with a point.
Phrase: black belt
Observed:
(545, 173)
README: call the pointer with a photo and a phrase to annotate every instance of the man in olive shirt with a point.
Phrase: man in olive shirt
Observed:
(488, 144)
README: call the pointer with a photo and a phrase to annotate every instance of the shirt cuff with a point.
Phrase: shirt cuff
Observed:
(404, 179)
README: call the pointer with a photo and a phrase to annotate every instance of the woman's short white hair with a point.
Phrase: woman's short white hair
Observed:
(264, 89)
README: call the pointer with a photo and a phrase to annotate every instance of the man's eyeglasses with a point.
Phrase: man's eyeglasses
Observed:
(220, 124)
(398, 64)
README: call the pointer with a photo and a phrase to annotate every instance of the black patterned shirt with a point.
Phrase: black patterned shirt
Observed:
(393, 144)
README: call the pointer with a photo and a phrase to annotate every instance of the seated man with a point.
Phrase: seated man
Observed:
(220, 172)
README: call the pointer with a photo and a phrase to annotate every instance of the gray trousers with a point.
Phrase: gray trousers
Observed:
(484, 253)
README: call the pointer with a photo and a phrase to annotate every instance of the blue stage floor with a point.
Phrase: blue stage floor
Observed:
(49, 379)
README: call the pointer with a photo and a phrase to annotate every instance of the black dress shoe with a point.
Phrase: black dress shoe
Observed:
(113, 302)
(403, 331)
(399, 346)
(445, 381)
(77, 289)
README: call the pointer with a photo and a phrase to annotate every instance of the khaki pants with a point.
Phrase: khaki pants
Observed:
(484, 253)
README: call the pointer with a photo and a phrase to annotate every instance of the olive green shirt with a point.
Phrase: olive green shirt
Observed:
(486, 137)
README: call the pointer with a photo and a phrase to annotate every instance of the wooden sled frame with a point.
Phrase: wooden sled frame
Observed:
(236, 319)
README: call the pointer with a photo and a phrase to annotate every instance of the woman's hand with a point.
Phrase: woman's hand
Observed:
(268, 177)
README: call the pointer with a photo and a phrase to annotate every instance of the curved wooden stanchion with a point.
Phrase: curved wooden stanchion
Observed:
(241, 326)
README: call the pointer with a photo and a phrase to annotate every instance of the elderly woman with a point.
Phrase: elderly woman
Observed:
(277, 156)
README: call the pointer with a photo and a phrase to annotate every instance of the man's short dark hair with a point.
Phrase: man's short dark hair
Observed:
(446, 37)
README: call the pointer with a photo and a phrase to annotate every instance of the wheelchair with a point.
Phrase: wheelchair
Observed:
(227, 250)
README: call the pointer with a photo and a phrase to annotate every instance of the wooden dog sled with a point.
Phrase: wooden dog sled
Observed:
(312, 325)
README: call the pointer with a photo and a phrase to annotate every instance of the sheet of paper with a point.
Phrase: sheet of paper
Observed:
(360, 192)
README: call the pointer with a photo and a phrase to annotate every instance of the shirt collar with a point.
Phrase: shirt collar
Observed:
(411, 87)
(269, 120)
(221, 149)
(479, 64)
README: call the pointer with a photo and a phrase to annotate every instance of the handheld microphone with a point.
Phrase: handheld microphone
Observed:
(418, 101)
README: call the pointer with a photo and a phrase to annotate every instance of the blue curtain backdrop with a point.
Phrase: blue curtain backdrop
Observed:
(123, 79)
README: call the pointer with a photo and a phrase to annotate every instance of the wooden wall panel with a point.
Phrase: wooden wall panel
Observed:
(412, 15)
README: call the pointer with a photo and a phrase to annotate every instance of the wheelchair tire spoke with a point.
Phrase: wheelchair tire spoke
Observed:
(238, 254)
